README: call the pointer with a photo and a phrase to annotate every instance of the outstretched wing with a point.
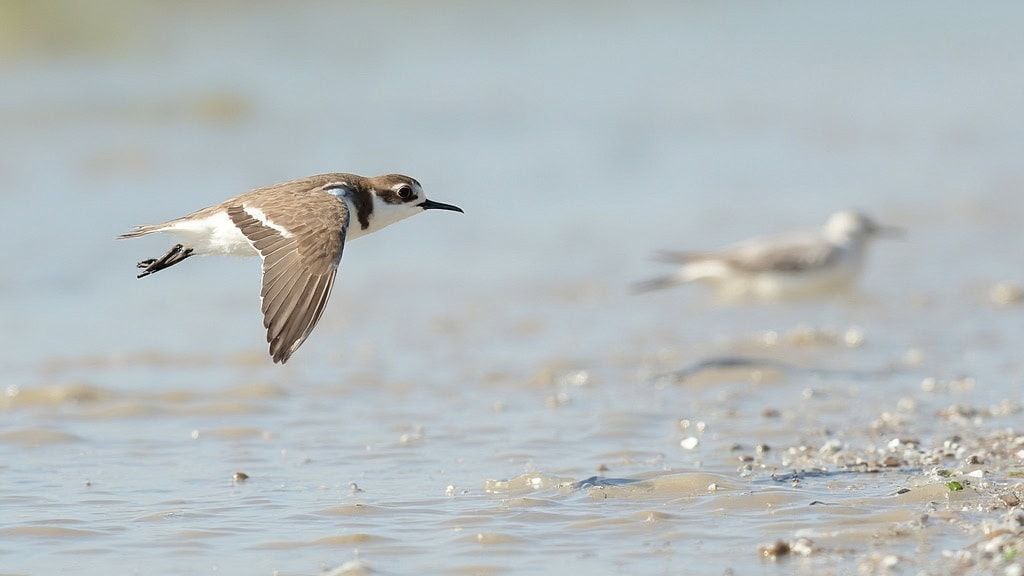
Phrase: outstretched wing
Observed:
(301, 249)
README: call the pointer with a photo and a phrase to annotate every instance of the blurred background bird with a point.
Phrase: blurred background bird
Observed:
(797, 264)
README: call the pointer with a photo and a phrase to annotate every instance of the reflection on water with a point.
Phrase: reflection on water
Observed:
(486, 396)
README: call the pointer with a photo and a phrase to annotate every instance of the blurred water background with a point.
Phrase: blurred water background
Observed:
(471, 368)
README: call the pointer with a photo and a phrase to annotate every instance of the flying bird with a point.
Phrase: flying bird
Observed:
(299, 228)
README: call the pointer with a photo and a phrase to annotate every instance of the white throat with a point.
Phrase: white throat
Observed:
(382, 215)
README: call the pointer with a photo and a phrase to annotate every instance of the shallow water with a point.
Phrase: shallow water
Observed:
(472, 372)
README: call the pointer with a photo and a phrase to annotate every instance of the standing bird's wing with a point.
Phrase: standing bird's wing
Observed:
(785, 253)
(301, 250)
(789, 253)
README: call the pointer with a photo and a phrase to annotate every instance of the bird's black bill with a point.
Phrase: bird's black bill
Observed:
(431, 205)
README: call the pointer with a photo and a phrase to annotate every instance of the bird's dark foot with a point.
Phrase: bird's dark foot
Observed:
(176, 254)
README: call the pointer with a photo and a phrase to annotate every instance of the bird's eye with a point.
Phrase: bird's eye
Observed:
(405, 192)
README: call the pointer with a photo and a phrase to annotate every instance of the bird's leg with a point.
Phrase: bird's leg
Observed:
(176, 254)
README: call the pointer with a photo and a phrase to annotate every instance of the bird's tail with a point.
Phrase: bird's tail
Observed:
(660, 282)
(669, 280)
(677, 257)
(142, 231)
(694, 267)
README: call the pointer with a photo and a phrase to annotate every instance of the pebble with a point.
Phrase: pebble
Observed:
(775, 550)
(1006, 294)
(1010, 500)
